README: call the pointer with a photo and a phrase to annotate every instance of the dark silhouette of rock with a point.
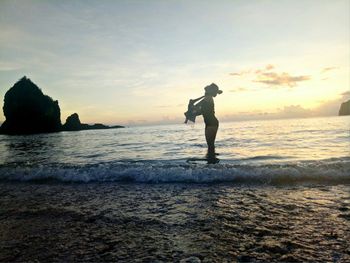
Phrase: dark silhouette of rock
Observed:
(73, 124)
(116, 126)
(344, 108)
(97, 126)
(28, 110)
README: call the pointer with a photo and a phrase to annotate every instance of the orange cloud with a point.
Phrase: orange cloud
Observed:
(238, 90)
(274, 79)
(328, 69)
(256, 71)
(280, 79)
(269, 66)
(241, 73)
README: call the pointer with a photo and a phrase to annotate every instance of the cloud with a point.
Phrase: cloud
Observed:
(280, 79)
(4, 66)
(241, 73)
(287, 112)
(239, 90)
(331, 107)
(324, 70)
(266, 76)
(345, 94)
(294, 111)
(235, 74)
(256, 71)
(326, 108)
(164, 106)
(170, 106)
(269, 66)
(291, 111)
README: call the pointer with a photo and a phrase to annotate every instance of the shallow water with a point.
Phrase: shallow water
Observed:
(174, 222)
(279, 194)
(249, 142)
(259, 152)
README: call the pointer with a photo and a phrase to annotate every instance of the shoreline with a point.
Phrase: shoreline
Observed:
(172, 222)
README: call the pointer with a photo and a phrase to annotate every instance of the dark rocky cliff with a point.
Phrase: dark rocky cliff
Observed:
(344, 108)
(28, 110)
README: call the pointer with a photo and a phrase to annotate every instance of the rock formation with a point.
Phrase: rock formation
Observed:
(28, 110)
(344, 108)
(73, 124)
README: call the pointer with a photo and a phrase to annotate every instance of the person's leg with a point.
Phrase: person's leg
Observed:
(210, 135)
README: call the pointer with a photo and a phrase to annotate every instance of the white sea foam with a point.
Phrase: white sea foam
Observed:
(151, 172)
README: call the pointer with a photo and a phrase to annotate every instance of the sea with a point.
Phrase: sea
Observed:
(280, 193)
(288, 151)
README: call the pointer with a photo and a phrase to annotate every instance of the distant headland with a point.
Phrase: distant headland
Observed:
(344, 108)
(28, 111)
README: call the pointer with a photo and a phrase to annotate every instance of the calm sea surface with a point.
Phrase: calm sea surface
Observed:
(251, 150)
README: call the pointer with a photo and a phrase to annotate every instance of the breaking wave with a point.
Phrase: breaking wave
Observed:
(327, 171)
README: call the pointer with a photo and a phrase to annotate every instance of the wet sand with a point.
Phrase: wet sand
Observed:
(103, 222)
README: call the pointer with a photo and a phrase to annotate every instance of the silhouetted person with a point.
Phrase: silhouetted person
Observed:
(211, 122)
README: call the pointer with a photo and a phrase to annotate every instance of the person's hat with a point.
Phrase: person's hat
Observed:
(213, 88)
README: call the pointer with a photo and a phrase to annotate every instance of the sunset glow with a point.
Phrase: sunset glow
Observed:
(139, 62)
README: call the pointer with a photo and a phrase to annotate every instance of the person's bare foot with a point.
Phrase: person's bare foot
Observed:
(213, 160)
(207, 156)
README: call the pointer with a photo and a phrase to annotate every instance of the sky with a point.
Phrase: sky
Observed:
(139, 62)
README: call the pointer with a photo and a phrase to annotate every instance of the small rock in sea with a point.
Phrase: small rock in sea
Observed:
(190, 260)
